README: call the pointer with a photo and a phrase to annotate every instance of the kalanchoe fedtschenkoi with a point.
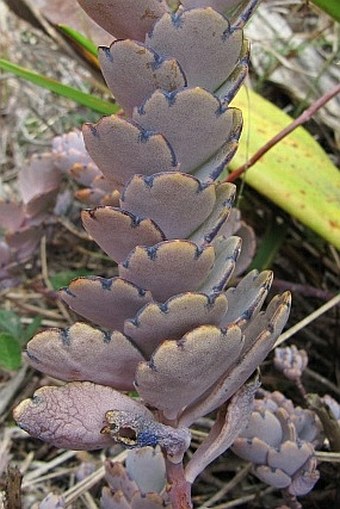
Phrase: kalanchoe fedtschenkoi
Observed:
(291, 361)
(21, 222)
(72, 159)
(279, 440)
(175, 333)
(142, 484)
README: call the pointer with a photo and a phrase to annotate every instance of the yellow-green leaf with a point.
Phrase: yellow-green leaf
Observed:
(296, 174)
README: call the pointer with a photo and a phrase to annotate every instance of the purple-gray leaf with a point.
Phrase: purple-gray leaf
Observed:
(171, 320)
(11, 215)
(228, 425)
(181, 371)
(232, 84)
(106, 302)
(225, 195)
(125, 18)
(227, 252)
(133, 72)
(146, 466)
(118, 478)
(38, 183)
(178, 115)
(117, 500)
(247, 297)
(135, 431)
(168, 268)
(117, 232)
(73, 416)
(267, 328)
(214, 166)
(202, 41)
(84, 353)
(177, 202)
(121, 149)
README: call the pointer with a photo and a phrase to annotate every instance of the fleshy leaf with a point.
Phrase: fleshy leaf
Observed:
(228, 425)
(236, 11)
(118, 479)
(117, 232)
(203, 43)
(178, 115)
(212, 169)
(146, 466)
(222, 6)
(296, 174)
(262, 426)
(39, 183)
(283, 457)
(232, 84)
(247, 298)
(24, 241)
(253, 449)
(225, 195)
(181, 371)
(125, 18)
(68, 150)
(168, 268)
(11, 215)
(85, 173)
(177, 202)
(84, 353)
(156, 322)
(227, 252)
(133, 72)
(121, 149)
(259, 339)
(272, 476)
(107, 302)
(72, 416)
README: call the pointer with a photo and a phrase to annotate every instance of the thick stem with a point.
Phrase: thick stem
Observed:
(291, 500)
(179, 489)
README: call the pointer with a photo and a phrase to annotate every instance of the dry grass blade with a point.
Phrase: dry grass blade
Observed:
(83, 486)
(306, 321)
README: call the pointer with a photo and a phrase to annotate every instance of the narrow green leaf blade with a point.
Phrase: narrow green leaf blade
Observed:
(63, 278)
(10, 323)
(332, 7)
(80, 39)
(10, 352)
(296, 174)
(92, 102)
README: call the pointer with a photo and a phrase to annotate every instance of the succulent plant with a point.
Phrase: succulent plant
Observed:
(279, 440)
(172, 327)
(140, 485)
(21, 221)
(291, 362)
